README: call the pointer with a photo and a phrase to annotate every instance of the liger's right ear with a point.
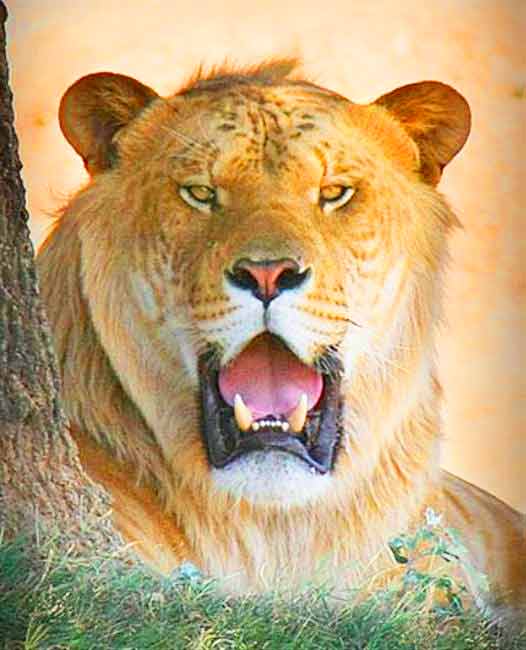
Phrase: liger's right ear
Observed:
(94, 108)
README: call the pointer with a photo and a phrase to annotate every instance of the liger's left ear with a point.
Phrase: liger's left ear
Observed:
(438, 119)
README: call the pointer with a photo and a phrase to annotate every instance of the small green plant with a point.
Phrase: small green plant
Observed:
(440, 586)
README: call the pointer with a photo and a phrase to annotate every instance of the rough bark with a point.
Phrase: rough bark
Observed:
(42, 485)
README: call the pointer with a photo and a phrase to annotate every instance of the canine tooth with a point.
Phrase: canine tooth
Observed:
(255, 426)
(297, 418)
(285, 426)
(242, 413)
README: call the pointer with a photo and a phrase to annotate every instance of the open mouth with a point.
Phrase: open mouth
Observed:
(267, 399)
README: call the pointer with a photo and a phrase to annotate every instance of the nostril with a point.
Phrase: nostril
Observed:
(243, 279)
(290, 279)
(266, 279)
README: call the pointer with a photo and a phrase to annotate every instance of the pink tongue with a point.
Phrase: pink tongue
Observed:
(269, 378)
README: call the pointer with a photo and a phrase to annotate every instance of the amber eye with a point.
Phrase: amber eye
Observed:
(201, 197)
(333, 197)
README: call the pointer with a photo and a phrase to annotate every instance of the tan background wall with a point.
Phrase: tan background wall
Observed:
(360, 49)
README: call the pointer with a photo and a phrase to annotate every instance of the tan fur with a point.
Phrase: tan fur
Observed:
(132, 277)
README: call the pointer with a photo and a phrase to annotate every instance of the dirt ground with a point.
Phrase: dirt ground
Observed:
(360, 48)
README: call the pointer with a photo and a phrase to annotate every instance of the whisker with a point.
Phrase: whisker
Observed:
(207, 146)
(352, 322)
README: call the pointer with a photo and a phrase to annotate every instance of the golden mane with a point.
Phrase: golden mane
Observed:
(219, 77)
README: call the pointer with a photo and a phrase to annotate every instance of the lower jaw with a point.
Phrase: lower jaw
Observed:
(271, 478)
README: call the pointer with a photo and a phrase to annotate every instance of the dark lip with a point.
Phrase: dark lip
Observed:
(316, 445)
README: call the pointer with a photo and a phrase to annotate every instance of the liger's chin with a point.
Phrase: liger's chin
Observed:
(272, 477)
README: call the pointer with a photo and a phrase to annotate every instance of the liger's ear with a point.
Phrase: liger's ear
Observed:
(438, 119)
(94, 108)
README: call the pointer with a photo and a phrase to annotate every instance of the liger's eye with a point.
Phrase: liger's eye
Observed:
(201, 197)
(333, 197)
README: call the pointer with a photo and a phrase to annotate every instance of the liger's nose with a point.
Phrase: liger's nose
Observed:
(266, 279)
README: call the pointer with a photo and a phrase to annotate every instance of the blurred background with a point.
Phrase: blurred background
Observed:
(361, 49)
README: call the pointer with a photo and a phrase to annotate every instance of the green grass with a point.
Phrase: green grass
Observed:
(99, 603)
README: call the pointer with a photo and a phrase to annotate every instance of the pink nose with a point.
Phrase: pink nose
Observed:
(268, 278)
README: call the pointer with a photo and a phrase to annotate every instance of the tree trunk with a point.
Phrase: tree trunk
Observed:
(42, 485)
